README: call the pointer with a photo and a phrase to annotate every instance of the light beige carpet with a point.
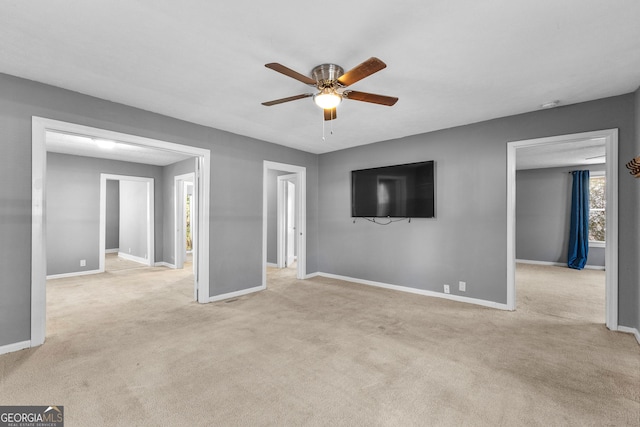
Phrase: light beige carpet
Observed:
(112, 262)
(131, 348)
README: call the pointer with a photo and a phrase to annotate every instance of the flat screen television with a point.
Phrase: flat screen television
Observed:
(400, 191)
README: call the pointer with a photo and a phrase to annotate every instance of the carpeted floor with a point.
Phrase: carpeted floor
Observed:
(129, 347)
(112, 262)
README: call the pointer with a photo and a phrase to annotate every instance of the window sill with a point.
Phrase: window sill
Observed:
(597, 244)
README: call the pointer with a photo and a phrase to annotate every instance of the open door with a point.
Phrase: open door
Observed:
(291, 223)
(286, 212)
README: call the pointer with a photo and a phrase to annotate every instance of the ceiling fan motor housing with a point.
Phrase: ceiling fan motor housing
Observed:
(327, 74)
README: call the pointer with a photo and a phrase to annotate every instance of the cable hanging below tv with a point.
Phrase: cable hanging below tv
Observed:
(400, 191)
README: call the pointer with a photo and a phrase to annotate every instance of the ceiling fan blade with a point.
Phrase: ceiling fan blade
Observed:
(289, 72)
(370, 97)
(359, 72)
(291, 98)
(330, 114)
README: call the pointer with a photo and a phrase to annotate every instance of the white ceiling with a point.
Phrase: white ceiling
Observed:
(574, 153)
(81, 145)
(449, 62)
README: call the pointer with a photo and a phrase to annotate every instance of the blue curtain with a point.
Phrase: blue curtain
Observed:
(579, 229)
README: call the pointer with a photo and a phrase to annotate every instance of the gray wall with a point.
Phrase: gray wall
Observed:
(112, 215)
(236, 189)
(543, 208)
(168, 174)
(467, 239)
(133, 219)
(73, 209)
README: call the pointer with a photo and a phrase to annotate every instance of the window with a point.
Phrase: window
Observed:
(597, 211)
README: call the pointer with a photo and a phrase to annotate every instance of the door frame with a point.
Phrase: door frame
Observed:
(39, 127)
(282, 216)
(301, 209)
(150, 215)
(610, 137)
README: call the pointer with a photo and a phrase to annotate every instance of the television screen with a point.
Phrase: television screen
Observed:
(400, 191)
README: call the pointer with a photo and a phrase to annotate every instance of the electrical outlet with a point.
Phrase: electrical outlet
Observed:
(462, 286)
(83, 263)
(446, 289)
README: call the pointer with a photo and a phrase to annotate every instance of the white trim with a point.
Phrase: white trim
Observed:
(39, 126)
(628, 330)
(150, 218)
(134, 258)
(201, 225)
(38, 231)
(557, 264)
(511, 226)
(236, 293)
(73, 274)
(423, 292)
(164, 264)
(112, 251)
(301, 212)
(610, 137)
(312, 275)
(16, 346)
(272, 264)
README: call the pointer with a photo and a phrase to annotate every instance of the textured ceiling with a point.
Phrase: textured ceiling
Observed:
(449, 62)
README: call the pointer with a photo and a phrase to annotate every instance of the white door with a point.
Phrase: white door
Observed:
(291, 223)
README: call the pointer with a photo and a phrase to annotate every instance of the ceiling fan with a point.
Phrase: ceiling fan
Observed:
(331, 82)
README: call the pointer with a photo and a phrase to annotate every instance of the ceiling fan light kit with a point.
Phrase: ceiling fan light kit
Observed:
(330, 80)
(327, 98)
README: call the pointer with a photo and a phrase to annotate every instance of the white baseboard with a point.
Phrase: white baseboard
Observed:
(423, 292)
(112, 251)
(236, 293)
(164, 264)
(17, 346)
(272, 264)
(557, 264)
(133, 258)
(629, 330)
(312, 275)
(75, 273)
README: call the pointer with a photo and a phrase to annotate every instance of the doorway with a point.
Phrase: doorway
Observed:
(185, 239)
(40, 127)
(136, 227)
(610, 137)
(286, 218)
(298, 177)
